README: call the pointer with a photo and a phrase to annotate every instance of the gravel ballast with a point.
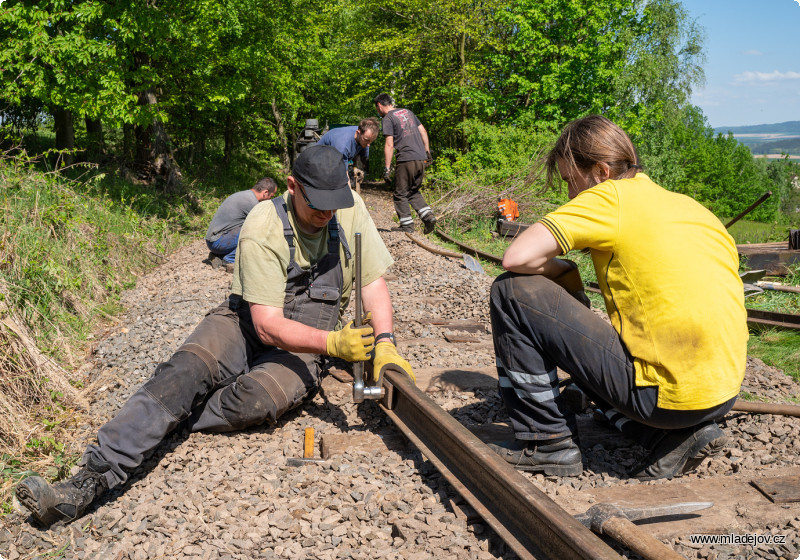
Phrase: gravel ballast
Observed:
(232, 496)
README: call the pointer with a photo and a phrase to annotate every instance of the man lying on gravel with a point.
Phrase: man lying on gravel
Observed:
(262, 351)
(674, 359)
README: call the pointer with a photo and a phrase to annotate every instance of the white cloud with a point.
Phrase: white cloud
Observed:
(766, 76)
(753, 52)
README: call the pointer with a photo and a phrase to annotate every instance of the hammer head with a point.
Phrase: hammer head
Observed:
(300, 461)
(596, 516)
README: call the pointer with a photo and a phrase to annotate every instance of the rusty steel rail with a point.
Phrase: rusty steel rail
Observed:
(528, 521)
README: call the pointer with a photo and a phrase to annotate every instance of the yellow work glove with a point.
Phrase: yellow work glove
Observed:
(353, 344)
(387, 358)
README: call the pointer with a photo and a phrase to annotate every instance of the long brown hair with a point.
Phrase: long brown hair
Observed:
(588, 141)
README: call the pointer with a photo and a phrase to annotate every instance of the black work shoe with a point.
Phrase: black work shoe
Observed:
(560, 457)
(681, 451)
(407, 228)
(66, 500)
(430, 223)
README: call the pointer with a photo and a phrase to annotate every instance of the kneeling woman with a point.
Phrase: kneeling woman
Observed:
(672, 361)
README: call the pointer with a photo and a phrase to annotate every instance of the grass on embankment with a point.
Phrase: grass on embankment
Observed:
(68, 248)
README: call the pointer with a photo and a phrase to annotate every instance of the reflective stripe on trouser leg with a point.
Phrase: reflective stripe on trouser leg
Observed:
(278, 382)
(422, 212)
(644, 435)
(531, 403)
(406, 221)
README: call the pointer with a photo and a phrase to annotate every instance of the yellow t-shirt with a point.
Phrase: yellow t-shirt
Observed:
(668, 271)
(262, 257)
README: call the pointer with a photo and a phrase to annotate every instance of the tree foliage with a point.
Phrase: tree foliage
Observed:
(227, 81)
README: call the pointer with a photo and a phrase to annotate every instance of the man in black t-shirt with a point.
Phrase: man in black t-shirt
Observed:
(405, 133)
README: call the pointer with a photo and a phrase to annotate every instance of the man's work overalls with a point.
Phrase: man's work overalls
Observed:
(223, 375)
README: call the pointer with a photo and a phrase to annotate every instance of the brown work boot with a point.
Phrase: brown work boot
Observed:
(65, 500)
(229, 267)
(681, 451)
(561, 457)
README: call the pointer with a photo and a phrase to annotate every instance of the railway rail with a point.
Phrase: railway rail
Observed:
(529, 521)
(374, 495)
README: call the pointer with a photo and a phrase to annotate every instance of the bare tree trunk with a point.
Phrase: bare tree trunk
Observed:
(128, 142)
(228, 136)
(65, 134)
(94, 133)
(153, 151)
(462, 82)
(281, 130)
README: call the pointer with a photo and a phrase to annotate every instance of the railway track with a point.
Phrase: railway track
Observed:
(374, 495)
(548, 529)
(535, 526)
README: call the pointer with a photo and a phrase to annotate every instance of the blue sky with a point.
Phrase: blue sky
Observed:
(752, 61)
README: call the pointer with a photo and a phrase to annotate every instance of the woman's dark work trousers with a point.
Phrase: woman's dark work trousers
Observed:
(538, 327)
(223, 377)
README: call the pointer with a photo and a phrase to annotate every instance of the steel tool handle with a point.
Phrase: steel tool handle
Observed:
(362, 391)
(358, 367)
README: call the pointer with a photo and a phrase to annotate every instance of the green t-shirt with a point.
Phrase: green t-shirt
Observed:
(262, 257)
(668, 271)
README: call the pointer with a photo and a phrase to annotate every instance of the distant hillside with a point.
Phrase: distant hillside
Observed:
(784, 128)
(767, 138)
(789, 146)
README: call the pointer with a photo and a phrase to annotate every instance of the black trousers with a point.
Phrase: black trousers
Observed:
(538, 327)
(408, 178)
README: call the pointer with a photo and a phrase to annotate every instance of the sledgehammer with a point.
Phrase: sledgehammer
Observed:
(617, 523)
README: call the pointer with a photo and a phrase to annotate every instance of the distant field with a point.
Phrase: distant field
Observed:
(785, 128)
(768, 140)
(775, 156)
(783, 146)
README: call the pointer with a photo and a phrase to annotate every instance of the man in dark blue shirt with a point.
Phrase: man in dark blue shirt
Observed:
(353, 143)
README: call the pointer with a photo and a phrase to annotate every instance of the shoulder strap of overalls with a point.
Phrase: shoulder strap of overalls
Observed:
(336, 234)
(335, 231)
(288, 232)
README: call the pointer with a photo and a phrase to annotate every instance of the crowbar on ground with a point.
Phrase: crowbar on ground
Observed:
(308, 451)
(470, 262)
(617, 522)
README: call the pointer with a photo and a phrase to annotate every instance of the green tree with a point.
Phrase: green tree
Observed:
(52, 54)
(663, 64)
(561, 57)
(431, 56)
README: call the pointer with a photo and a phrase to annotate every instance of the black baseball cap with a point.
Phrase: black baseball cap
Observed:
(321, 172)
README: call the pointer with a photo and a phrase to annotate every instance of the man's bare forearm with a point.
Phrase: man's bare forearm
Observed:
(276, 330)
(376, 299)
